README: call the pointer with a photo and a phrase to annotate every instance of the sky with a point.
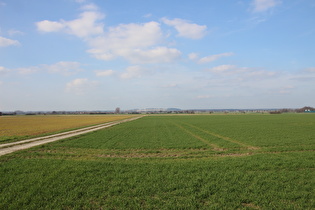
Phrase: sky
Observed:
(67, 55)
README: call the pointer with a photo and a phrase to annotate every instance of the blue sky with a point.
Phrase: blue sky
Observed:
(103, 54)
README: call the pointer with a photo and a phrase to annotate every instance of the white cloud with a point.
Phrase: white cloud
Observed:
(147, 15)
(264, 5)
(186, 29)
(64, 67)
(129, 36)
(86, 25)
(12, 32)
(204, 96)
(211, 58)
(137, 43)
(101, 54)
(155, 55)
(80, 86)
(134, 72)
(4, 42)
(134, 42)
(241, 72)
(172, 85)
(222, 68)
(260, 74)
(207, 59)
(49, 26)
(28, 70)
(193, 56)
(310, 70)
(305, 75)
(89, 7)
(286, 90)
(104, 73)
(80, 1)
(3, 70)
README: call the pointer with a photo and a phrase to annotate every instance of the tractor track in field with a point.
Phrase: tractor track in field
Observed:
(224, 138)
(214, 146)
(25, 144)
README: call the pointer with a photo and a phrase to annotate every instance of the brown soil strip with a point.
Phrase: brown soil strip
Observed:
(166, 155)
(144, 153)
(234, 154)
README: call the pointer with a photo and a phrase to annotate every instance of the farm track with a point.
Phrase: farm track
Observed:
(25, 144)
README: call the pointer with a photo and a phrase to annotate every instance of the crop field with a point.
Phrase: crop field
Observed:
(13, 128)
(170, 162)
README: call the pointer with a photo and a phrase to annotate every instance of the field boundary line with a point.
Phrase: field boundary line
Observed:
(214, 146)
(25, 144)
(250, 147)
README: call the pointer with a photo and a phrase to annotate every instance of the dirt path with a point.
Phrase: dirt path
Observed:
(25, 144)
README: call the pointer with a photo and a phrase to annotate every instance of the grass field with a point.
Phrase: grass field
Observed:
(170, 162)
(14, 128)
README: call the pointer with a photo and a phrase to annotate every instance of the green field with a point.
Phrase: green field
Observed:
(170, 162)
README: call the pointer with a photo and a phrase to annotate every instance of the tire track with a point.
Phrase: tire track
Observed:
(25, 144)
(250, 147)
(214, 146)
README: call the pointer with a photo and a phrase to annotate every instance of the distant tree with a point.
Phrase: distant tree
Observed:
(275, 112)
(284, 110)
(117, 110)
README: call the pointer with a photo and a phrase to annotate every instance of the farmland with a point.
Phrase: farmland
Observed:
(13, 128)
(166, 162)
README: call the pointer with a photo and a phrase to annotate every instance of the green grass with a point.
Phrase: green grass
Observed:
(170, 162)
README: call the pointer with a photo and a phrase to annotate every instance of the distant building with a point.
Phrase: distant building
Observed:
(18, 112)
(306, 109)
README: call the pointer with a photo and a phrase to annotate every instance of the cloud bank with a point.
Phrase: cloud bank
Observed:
(137, 43)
